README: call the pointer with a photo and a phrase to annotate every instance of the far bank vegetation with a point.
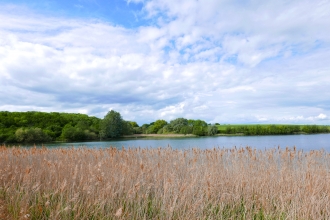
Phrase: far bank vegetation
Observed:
(42, 127)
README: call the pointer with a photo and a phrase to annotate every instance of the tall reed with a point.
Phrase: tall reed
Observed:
(164, 183)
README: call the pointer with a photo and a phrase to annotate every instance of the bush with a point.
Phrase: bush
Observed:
(185, 130)
(178, 123)
(160, 131)
(212, 130)
(167, 129)
(31, 135)
(137, 130)
(198, 130)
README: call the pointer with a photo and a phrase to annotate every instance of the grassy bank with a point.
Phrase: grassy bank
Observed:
(163, 184)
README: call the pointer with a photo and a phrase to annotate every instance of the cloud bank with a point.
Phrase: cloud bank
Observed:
(220, 61)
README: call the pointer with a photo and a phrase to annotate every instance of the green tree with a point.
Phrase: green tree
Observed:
(144, 128)
(212, 130)
(199, 127)
(137, 130)
(90, 135)
(112, 125)
(70, 133)
(54, 131)
(199, 122)
(83, 125)
(229, 130)
(127, 128)
(31, 135)
(134, 124)
(167, 129)
(50, 123)
(198, 130)
(158, 125)
(178, 123)
(186, 129)
(151, 129)
(160, 131)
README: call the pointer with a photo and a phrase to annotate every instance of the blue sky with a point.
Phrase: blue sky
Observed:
(117, 12)
(220, 61)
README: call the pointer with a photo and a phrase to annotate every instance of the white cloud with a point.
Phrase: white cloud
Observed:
(253, 31)
(134, 1)
(321, 116)
(215, 60)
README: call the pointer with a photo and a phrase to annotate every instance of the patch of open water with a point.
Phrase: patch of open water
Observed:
(304, 142)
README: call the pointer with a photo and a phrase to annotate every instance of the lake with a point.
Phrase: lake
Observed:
(304, 142)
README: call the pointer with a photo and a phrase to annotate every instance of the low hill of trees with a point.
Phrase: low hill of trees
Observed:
(44, 127)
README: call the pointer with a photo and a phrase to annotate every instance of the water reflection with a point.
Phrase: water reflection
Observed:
(304, 142)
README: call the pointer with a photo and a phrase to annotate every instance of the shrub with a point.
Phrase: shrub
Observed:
(212, 130)
(31, 135)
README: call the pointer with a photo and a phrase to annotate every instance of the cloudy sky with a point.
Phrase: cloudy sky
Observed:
(225, 61)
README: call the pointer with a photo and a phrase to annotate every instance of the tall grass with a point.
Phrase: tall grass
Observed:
(135, 183)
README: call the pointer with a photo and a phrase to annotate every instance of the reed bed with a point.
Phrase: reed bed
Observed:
(163, 183)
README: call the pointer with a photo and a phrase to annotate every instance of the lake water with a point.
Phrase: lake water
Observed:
(304, 142)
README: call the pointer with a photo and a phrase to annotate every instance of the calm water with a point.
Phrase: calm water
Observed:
(305, 142)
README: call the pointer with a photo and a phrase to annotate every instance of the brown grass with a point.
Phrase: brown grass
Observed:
(40, 183)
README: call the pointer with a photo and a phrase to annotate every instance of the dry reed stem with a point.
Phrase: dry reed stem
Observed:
(137, 183)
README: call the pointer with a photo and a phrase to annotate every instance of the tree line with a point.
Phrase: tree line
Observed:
(37, 127)
(275, 129)
(113, 126)
(178, 126)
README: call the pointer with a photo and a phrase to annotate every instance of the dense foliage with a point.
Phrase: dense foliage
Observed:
(113, 126)
(179, 126)
(274, 129)
(34, 127)
(41, 127)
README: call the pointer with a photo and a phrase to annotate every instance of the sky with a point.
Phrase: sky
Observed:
(222, 61)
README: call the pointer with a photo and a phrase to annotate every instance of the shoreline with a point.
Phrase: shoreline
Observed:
(192, 135)
(158, 136)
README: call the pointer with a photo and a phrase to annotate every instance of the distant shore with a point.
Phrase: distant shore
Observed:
(190, 135)
(158, 135)
(174, 135)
